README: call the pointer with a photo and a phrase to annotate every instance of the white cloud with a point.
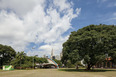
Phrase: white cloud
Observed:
(11, 30)
(62, 4)
(31, 21)
(20, 7)
(57, 46)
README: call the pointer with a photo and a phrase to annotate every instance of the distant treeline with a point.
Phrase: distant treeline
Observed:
(8, 56)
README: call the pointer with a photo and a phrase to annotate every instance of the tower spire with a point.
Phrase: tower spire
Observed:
(52, 54)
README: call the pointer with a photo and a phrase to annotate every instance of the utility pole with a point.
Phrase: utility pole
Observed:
(33, 57)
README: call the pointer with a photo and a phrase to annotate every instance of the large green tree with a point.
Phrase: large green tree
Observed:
(19, 59)
(22, 60)
(7, 53)
(90, 43)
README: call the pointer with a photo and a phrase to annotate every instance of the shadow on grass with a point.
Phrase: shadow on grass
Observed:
(83, 70)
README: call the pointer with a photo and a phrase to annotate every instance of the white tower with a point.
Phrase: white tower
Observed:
(52, 54)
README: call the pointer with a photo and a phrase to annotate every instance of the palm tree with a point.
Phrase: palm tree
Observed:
(20, 56)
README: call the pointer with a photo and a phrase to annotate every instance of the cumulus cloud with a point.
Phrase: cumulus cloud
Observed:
(23, 22)
(20, 7)
(11, 30)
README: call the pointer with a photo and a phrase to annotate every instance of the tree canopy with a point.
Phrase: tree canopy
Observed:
(7, 53)
(90, 43)
(23, 61)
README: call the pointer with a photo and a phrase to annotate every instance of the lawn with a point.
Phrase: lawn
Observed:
(59, 73)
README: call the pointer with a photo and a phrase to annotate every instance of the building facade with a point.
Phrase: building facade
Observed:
(107, 63)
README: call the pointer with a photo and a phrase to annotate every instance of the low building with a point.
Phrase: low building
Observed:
(107, 63)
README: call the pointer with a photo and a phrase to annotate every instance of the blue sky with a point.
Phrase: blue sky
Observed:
(95, 12)
(46, 24)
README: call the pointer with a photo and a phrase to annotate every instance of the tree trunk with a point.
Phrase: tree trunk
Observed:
(76, 66)
(1, 63)
(88, 67)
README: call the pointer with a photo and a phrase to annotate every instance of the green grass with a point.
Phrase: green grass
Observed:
(83, 70)
(59, 73)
